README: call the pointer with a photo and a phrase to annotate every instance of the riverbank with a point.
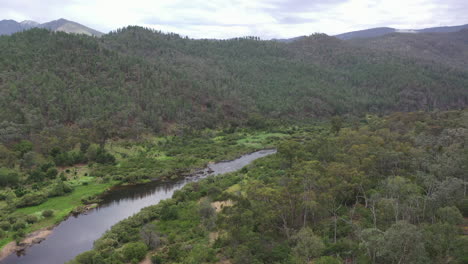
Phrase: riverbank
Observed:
(116, 206)
(159, 159)
(62, 207)
(31, 239)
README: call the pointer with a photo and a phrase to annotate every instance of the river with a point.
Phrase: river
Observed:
(76, 234)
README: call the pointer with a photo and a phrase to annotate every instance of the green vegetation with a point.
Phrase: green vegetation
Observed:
(387, 190)
(29, 204)
(79, 114)
(134, 80)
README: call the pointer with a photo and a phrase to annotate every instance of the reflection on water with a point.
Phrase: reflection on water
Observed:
(77, 233)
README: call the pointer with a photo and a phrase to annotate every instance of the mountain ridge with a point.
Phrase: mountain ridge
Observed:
(381, 31)
(8, 27)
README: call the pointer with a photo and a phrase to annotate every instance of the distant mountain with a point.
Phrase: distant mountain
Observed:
(443, 29)
(450, 48)
(289, 40)
(70, 27)
(8, 27)
(29, 24)
(377, 32)
(367, 33)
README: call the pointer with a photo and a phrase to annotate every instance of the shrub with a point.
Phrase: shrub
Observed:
(47, 213)
(31, 199)
(8, 178)
(328, 260)
(155, 259)
(12, 219)
(4, 225)
(51, 173)
(31, 219)
(62, 176)
(19, 235)
(86, 257)
(19, 225)
(59, 189)
(134, 250)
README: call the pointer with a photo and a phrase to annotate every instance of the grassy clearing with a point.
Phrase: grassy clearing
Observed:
(62, 206)
(259, 140)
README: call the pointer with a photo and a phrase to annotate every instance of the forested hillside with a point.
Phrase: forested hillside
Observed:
(137, 79)
(386, 190)
(450, 49)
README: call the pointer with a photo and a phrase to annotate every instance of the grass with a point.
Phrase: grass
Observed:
(259, 140)
(62, 206)
(234, 188)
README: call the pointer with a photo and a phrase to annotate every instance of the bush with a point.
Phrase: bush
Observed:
(19, 235)
(8, 178)
(12, 219)
(51, 173)
(62, 176)
(31, 219)
(47, 213)
(31, 199)
(19, 225)
(155, 259)
(328, 260)
(86, 257)
(134, 251)
(4, 225)
(59, 189)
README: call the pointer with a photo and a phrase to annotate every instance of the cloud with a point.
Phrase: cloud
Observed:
(232, 18)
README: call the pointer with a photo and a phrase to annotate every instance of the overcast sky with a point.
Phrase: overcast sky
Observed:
(233, 18)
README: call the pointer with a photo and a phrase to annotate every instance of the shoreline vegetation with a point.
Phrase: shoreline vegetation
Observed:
(88, 189)
(347, 193)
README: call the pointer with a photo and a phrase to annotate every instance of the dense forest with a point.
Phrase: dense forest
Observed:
(447, 48)
(136, 79)
(385, 190)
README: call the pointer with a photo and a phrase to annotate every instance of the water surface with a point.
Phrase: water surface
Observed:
(77, 234)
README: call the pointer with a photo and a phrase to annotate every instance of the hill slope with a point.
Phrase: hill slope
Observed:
(382, 31)
(136, 77)
(448, 48)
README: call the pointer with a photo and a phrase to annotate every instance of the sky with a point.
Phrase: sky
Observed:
(235, 18)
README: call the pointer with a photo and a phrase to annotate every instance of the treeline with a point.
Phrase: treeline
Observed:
(391, 190)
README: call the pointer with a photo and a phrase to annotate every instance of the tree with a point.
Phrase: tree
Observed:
(372, 240)
(307, 245)
(403, 243)
(23, 147)
(336, 124)
(289, 150)
(134, 251)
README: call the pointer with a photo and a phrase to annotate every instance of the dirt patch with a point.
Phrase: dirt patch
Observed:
(213, 236)
(33, 238)
(218, 206)
(147, 260)
(224, 261)
(8, 249)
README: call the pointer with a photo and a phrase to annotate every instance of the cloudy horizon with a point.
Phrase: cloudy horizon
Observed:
(233, 18)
